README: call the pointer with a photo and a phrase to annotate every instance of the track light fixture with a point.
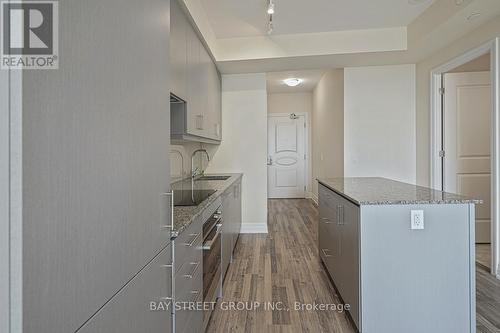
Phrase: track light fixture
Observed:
(270, 12)
(270, 8)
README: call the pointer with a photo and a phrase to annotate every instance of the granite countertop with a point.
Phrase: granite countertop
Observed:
(383, 191)
(184, 215)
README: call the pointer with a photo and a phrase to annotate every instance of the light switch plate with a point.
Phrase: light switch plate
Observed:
(417, 219)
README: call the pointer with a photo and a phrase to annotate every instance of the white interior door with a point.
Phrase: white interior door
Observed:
(467, 132)
(286, 156)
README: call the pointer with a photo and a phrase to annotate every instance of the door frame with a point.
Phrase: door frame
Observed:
(436, 132)
(307, 192)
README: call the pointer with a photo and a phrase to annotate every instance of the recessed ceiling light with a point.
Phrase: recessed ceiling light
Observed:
(459, 2)
(292, 82)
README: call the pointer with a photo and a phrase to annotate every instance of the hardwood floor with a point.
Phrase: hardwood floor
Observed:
(487, 301)
(284, 266)
(483, 254)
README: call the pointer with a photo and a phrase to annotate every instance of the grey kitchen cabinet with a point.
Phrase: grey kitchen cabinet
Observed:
(339, 245)
(94, 164)
(231, 210)
(226, 236)
(214, 102)
(144, 303)
(188, 278)
(204, 93)
(349, 260)
(194, 107)
(178, 53)
(196, 80)
(237, 213)
(380, 265)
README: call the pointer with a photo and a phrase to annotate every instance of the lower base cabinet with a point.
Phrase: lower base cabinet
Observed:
(231, 212)
(143, 305)
(396, 279)
(188, 278)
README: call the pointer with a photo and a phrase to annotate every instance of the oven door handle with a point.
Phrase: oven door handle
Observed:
(209, 243)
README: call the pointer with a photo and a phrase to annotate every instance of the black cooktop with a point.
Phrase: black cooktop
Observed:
(191, 197)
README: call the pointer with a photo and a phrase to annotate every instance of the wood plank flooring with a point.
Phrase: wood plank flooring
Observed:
(483, 254)
(284, 266)
(487, 301)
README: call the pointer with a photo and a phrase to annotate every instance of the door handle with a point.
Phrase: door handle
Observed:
(326, 221)
(269, 160)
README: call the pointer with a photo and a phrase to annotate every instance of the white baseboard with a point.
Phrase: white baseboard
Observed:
(254, 228)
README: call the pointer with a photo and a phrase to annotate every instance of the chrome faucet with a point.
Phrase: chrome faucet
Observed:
(194, 171)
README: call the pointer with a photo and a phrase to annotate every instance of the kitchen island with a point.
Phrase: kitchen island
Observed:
(401, 256)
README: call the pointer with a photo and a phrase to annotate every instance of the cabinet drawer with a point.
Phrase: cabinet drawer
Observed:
(190, 292)
(188, 245)
(128, 311)
(328, 198)
(188, 278)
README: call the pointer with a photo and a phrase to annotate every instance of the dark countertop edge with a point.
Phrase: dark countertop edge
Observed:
(227, 183)
(465, 200)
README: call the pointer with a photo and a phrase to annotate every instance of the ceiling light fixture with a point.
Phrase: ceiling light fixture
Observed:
(270, 12)
(270, 28)
(292, 82)
(270, 8)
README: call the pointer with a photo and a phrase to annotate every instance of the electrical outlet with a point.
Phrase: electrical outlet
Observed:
(417, 219)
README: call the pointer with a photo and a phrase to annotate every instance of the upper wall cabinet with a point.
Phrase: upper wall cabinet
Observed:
(178, 55)
(195, 79)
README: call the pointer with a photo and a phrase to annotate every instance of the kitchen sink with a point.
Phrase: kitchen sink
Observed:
(213, 178)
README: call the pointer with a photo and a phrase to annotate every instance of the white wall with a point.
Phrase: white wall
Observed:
(244, 144)
(379, 122)
(328, 128)
(296, 102)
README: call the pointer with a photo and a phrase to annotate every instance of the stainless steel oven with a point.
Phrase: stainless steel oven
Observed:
(212, 260)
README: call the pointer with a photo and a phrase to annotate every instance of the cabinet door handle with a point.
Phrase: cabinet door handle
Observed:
(326, 221)
(199, 122)
(339, 222)
(168, 298)
(195, 294)
(342, 215)
(324, 252)
(171, 226)
(193, 272)
(193, 240)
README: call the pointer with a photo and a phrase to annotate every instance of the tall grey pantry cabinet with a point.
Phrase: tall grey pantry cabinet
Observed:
(89, 247)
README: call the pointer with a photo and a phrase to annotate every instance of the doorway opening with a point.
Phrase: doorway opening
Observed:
(287, 159)
(464, 141)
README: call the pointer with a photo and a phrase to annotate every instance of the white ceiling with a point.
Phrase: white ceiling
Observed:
(245, 18)
(310, 79)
